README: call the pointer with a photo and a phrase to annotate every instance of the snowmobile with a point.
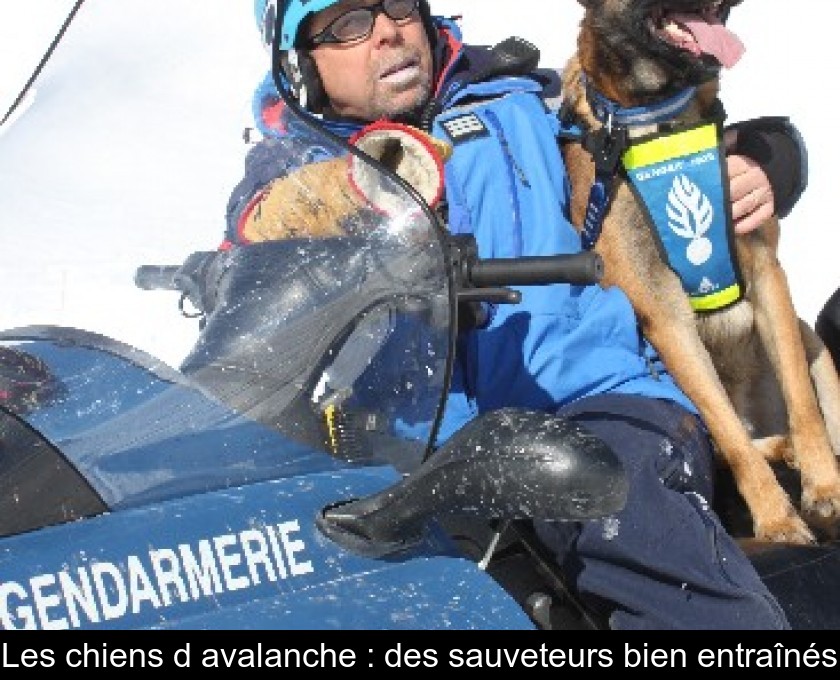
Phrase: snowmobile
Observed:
(282, 477)
(286, 475)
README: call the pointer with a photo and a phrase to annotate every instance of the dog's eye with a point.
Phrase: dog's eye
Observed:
(713, 11)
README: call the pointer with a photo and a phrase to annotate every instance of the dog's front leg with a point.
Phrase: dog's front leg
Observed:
(668, 323)
(774, 516)
(782, 335)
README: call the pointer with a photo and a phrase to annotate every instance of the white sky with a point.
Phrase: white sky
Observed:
(132, 143)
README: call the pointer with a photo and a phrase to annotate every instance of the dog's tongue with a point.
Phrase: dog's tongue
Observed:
(713, 38)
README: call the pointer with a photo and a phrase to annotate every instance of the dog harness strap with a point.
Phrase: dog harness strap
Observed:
(610, 112)
(606, 145)
(599, 200)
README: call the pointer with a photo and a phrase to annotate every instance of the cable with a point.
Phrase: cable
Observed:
(310, 121)
(43, 61)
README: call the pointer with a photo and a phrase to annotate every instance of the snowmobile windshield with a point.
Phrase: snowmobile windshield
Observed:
(333, 325)
(321, 346)
(337, 343)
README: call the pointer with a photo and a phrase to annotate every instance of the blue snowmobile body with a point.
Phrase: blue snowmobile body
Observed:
(134, 500)
(284, 475)
(132, 497)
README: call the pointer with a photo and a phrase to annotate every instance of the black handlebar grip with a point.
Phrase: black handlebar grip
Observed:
(578, 268)
(156, 277)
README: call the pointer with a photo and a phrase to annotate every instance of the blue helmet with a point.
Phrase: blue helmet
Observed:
(293, 12)
(296, 66)
(298, 70)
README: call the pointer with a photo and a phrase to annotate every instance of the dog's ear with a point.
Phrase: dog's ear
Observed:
(588, 3)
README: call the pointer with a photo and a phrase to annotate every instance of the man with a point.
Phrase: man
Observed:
(665, 561)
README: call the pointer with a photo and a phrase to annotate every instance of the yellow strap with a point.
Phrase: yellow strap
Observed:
(675, 145)
(713, 301)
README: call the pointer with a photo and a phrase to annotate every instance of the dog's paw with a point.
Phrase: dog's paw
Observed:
(821, 507)
(790, 528)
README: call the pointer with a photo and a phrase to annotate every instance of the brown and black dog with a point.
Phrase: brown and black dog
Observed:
(762, 380)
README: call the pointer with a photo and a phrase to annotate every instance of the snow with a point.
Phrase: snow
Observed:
(129, 148)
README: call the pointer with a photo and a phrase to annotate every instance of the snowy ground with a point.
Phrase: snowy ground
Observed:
(132, 143)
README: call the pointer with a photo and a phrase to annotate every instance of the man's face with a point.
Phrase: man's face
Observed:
(383, 76)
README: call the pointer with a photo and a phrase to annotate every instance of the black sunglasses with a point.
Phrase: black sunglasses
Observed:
(357, 24)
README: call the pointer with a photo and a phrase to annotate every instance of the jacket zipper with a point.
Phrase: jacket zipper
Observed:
(514, 172)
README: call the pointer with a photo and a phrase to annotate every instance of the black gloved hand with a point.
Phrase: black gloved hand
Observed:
(777, 146)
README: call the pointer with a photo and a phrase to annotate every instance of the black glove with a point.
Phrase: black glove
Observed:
(776, 145)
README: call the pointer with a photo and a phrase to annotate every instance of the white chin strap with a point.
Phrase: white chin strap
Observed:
(296, 79)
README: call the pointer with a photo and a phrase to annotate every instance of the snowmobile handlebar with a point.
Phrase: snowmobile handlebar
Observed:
(471, 273)
(577, 268)
(156, 277)
(485, 281)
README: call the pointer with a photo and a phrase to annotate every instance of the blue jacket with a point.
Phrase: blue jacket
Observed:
(506, 184)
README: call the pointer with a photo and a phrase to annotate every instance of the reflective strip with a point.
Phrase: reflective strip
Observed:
(671, 146)
(714, 301)
(331, 420)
